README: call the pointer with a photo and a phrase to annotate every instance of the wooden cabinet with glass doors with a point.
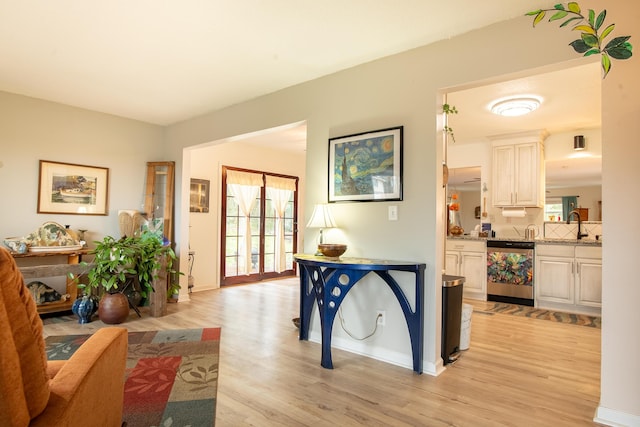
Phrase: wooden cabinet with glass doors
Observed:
(158, 200)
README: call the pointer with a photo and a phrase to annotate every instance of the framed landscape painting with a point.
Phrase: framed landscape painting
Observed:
(366, 166)
(66, 188)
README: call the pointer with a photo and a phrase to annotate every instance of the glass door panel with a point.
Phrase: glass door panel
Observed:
(264, 238)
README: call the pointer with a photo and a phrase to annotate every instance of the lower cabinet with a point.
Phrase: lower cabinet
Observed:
(569, 278)
(554, 280)
(589, 277)
(468, 259)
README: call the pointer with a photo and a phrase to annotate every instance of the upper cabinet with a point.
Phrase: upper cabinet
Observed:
(518, 171)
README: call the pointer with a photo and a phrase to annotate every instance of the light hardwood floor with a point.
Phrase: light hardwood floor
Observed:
(517, 372)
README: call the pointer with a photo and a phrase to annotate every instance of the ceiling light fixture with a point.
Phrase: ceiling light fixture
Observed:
(515, 106)
(579, 143)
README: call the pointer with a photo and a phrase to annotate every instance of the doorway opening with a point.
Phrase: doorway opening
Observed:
(280, 150)
(258, 225)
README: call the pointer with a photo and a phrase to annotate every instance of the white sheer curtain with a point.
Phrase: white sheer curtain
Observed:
(280, 190)
(244, 187)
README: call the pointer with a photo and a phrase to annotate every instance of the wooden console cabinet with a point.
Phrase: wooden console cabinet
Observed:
(50, 268)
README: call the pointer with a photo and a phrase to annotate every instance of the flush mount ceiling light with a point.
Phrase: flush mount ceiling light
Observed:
(515, 106)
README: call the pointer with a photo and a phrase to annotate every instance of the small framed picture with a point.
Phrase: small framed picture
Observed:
(66, 188)
(366, 166)
(199, 196)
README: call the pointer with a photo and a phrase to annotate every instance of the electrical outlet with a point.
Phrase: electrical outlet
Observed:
(381, 317)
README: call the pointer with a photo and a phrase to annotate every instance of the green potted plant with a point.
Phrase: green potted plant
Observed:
(173, 292)
(123, 267)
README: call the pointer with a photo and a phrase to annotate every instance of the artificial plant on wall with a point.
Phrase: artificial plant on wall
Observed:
(591, 41)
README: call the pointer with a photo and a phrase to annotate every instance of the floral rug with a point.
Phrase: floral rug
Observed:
(171, 376)
(48, 319)
(537, 313)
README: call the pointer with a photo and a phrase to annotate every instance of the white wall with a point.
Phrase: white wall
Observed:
(620, 379)
(472, 155)
(556, 146)
(559, 145)
(588, 197)
(468, 200)
(33, 130)
(405, 90)
(206, 163)
(399, 90)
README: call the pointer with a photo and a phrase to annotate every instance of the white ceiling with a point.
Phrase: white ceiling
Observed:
(571, 102)
(164, 61)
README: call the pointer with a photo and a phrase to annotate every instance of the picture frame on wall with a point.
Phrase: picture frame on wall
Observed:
(366, 167)
(67, 188)
(199, 196)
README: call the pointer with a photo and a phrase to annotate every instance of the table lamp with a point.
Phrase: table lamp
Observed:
(321, 218)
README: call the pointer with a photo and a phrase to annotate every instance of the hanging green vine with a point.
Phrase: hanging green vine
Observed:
(590, 41)
(449, 109)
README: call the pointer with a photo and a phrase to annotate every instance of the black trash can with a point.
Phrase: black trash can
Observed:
(451, 316)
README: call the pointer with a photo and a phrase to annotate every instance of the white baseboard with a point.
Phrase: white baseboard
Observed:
(611, 417)
(377, 353)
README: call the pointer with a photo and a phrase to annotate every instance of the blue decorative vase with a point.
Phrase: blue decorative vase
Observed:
(84, 308)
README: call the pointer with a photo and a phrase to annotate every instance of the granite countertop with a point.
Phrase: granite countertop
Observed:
(586, 242)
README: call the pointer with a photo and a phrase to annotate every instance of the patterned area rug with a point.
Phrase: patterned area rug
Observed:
(171, 376)
(48, 319)
(536, 313)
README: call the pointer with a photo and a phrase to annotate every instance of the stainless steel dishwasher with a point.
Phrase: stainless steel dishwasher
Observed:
(510, 271)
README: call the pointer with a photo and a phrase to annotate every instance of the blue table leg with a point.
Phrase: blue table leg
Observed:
(329, 294)
(327, 285)
(306, 303)
(327, 316)
(414, 318)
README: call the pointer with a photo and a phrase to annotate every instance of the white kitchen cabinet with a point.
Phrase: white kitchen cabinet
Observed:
(452, 263)
(468, 258)
(518, 174)
(589, 276)
(554, 274)
(569, 278)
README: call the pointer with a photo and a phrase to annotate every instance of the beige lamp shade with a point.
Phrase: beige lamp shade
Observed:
(321, 217)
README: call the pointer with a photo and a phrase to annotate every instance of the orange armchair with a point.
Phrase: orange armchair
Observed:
(85, 390)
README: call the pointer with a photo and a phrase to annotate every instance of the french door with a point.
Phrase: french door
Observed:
(259, 218)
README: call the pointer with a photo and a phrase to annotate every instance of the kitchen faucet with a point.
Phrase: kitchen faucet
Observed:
(577, 214)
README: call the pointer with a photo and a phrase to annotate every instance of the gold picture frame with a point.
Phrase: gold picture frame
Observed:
(199, 196)
(67, 188)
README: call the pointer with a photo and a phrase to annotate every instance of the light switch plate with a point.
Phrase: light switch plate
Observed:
(393, 213)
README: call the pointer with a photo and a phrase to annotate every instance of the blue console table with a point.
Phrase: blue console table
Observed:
(328, 281)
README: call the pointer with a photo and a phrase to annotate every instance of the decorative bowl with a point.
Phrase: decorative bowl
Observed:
(456, 230)
(332, 250)
(16, 245)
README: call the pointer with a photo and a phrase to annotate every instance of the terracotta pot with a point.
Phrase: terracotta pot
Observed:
(113, 308)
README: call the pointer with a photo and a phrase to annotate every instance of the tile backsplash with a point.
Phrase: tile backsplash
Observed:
(561, 230)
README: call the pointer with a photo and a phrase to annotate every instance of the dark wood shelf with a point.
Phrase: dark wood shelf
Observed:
(72, 265)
